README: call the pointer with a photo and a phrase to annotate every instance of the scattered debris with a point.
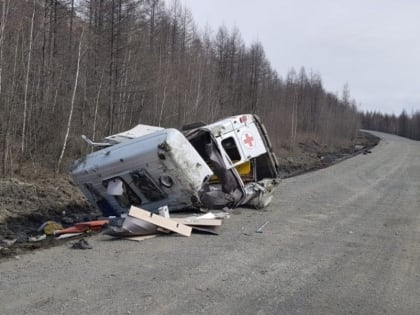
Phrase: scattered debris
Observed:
(160, 221)
(7, 242)
(141, 238)
(214, 215)
(196, 221)
(164, 212)
(50, 227)
(129, 226)
(67, 235)
(37, 238)
(142, 223)
(81, 244)
(83, 227)
(261, 228)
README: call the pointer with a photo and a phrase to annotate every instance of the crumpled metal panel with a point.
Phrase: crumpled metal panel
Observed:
(165, 156)
(158, 167)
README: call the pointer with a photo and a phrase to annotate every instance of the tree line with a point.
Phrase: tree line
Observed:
(403, 125)
(98, 67)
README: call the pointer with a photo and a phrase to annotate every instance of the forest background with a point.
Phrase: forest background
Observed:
(98, 67)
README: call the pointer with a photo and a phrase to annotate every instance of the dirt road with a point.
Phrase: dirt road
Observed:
(345, 239)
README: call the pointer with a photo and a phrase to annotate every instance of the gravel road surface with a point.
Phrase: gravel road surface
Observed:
(345, 239)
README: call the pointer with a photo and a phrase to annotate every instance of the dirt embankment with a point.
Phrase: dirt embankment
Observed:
(310, 155)
(25, 204)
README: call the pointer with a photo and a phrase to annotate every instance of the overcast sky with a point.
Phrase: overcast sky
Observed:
(373, 45)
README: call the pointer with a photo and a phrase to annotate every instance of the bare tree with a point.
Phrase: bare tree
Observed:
(145, 62)
(28, 69)
(73, 97)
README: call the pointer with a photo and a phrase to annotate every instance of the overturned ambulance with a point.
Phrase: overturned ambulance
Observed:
(228, 163)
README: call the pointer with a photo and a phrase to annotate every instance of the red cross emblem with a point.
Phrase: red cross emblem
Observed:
(248, 140)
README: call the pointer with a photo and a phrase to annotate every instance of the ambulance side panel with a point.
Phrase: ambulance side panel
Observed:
(158, 169)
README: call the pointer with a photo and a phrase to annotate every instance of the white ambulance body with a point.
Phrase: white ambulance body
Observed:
(224, 164)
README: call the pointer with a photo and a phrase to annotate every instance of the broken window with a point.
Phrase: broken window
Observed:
(122, 192)
(147, 186)
(231, 149)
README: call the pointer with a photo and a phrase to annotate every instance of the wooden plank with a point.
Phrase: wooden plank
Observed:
(195, 221)
(162, 222)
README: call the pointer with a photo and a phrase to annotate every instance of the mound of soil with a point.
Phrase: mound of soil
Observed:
(49, 196)
(25, 205)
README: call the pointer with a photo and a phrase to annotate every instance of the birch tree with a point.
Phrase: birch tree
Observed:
(73, 97)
